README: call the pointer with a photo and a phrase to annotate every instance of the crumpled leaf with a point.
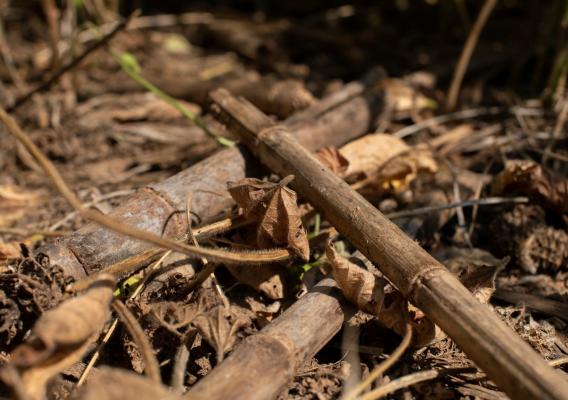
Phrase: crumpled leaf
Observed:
(62, 335)
(374, 295)
(358, 285)
(14, 202)
(386, 161)
(10, 250)
(275, 207)
(397, 311)
(115, 383)
(269, 279)
(476, 269)
(526, 177)
(333, 159)
(218, 330)
(13, 249)
(402, 97)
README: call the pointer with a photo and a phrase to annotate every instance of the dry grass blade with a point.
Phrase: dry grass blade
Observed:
(150, 361)
(384, 366)
(118, 384)
(468, 49)
(408, 380)
(61, 336)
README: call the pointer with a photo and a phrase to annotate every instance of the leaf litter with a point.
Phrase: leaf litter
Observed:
(117, 137)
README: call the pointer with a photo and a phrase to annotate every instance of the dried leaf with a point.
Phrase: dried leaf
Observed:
(115, 383)
(275, 206)
(333, 159)
(269, 279)
(14, 202)
(402, 97)
(218, 330)
(386, 161)
(10, 250)
(110, 109)
(476, 269)
(396, 312)
(358, 285)
(526, 177)
(61, 336)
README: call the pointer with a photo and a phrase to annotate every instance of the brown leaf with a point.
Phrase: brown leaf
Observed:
(109, 109)
(333, 159)
(62, 335)
(275, 206)
(396, 312)
(359, 286)
(269, 279)
(526, 177)
(476, 269)
(218, 331)
(115, 383)
(402, 97)
(374, 295)
(386, 161)
(14, 202)
(10, 250)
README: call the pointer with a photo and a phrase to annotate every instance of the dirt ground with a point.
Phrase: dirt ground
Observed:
(480, 180)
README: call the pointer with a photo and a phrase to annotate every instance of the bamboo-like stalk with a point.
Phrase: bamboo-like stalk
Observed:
(264, 363)
(156, 209)
(504, 356)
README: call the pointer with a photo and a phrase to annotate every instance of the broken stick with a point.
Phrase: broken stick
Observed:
(265, 362)
(504, 356)
(158, 208)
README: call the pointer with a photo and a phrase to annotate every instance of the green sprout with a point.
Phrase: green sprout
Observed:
(130, 65)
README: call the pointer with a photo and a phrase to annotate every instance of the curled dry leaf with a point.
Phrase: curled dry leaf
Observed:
(374, 295)
(269, 279)
(14, 202)
(358, 285)
(333, 159)
(476, 269)
(13, 249)
(10, 250)
(115, 383)
(61, 336)
(526, 177)
(397, 311)
(275, 207)
(402, 97)
(218, 330)
(386, 161)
